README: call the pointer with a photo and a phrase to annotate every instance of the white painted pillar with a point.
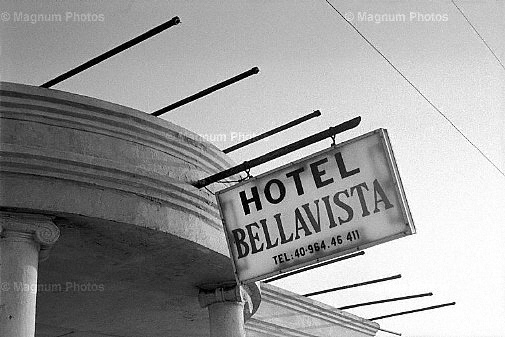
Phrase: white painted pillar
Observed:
(24, 240)
(228, 308)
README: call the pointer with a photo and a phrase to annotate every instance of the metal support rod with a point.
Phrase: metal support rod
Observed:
(158, 29)
(207, 91)
(314, 266)
(391, 332)
(412, 311)
(278, 129)
(385, 301)
(353, 285)
(279, 152)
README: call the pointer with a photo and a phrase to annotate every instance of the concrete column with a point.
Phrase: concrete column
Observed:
(24, 239)
(228, 309)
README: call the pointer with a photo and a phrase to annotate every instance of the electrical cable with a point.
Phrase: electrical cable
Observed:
(480, 36)
(418, 91)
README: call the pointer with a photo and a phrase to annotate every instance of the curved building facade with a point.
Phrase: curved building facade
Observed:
(102, 233)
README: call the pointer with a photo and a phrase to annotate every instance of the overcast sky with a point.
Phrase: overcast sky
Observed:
(310, 58)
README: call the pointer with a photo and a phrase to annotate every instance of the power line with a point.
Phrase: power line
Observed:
(417, 90)
(480, 36)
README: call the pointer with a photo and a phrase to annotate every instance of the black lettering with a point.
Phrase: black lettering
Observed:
(344, 206)
(281, 230)
(286, 257)
(275, 259)
(317, 174)
(267, 235)
(253, 237)
(255, 197)
(300, 224)
(315, 224)
(377, 189)
(239, 238)
(296, 177)
(329, 211)
(282, 191)
(362, 200)
(341, 167)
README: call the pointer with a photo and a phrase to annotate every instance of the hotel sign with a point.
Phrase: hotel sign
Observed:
(342, 199)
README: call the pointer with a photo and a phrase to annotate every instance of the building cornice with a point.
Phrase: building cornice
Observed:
(310, 308)
(67, 154)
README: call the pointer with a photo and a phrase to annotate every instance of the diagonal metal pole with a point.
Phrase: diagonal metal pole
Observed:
(352, 285)
(391, 332)
(207, 91)
(278, 129)
(385, 301)
(352, 123)
(314, 266)
(413, 311)
(156, 30)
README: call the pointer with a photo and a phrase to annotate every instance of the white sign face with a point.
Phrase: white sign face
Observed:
(343, 199)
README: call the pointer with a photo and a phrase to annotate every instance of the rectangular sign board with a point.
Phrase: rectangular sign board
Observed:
(339, 200)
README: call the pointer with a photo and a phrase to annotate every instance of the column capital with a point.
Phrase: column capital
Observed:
(24, 226)
(233, 294)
